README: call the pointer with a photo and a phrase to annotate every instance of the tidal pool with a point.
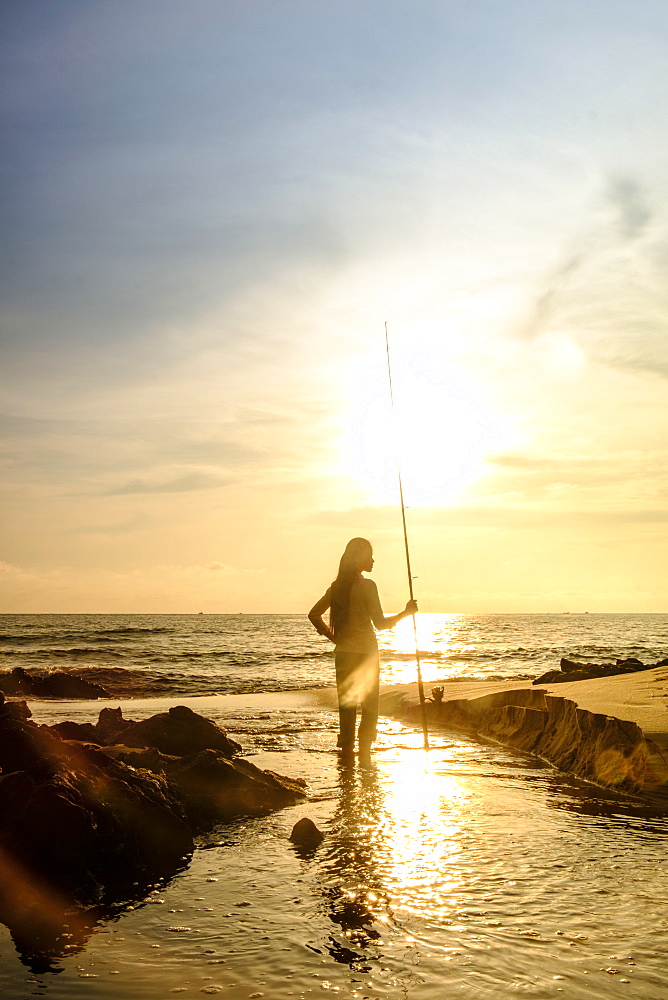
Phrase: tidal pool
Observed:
(468, 871)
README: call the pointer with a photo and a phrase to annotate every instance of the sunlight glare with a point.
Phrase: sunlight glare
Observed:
(425, 807)
(440, 432)
(434, 632)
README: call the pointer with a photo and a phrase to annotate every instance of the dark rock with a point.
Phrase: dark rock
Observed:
(62, 685)
(306, 834)
(110, 723)
(82, 731)
(179, 732)
(215, 788)
(663, 663)
(78, 820)
(19, 683)
(573, 671)
(551, 677)
(84, 825)
(13, 709)
(15, 682)
(147, 758)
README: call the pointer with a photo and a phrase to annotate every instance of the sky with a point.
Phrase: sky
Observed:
(210, 212)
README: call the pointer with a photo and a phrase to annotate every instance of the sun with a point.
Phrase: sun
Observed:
(439, 433)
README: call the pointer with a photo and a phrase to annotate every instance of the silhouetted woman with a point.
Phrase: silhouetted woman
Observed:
(354, 611)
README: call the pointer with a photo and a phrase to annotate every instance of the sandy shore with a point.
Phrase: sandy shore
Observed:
(610, 730)
(641, 698)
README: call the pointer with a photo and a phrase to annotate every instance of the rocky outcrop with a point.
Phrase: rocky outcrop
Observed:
(177, 732)
(18, 683)
(599, 748)
(571, 670)
(84, 821)
(213, 788)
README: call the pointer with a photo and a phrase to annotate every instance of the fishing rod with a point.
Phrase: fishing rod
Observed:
(423, 704)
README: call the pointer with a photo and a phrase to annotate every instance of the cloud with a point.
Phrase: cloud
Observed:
(135, 523)
(548, 300)
(186, 483)
(508, 517)
(628, 197)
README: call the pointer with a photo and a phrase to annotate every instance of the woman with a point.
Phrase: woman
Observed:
(354, 611)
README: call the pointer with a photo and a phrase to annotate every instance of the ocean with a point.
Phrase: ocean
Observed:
(470, 871)
(136, 656)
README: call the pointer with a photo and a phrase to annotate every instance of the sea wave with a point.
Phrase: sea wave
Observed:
(128, 682)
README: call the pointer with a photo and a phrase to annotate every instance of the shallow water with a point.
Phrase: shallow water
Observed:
(470, 871)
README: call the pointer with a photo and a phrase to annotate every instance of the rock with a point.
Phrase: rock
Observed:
(18, 682)
(306, 834)
(81, 821)
(13, 709)
(111, 722)
(88, 825)
(62, 685)
(573, 671)
(551, 677)
(82, 731)
(178, 732)
(214, 788)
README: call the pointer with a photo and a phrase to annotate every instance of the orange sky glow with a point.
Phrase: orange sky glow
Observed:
(214, 211)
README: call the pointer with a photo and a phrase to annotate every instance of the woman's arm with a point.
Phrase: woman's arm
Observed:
(316, 613)
(376, 612)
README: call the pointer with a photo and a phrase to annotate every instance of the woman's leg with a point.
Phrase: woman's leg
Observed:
(369, 720)
(346, 665)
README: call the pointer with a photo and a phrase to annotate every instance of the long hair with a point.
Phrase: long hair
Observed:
(356, 552)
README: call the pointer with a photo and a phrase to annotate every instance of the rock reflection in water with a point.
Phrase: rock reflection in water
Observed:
(48, 925)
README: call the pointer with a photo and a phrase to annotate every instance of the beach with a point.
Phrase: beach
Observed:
(474, 867)
(477, 868)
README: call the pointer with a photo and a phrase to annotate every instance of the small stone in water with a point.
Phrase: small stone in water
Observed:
(177, 930)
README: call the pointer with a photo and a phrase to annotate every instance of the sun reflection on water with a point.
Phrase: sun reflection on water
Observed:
(437, 635)
(398, 845)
